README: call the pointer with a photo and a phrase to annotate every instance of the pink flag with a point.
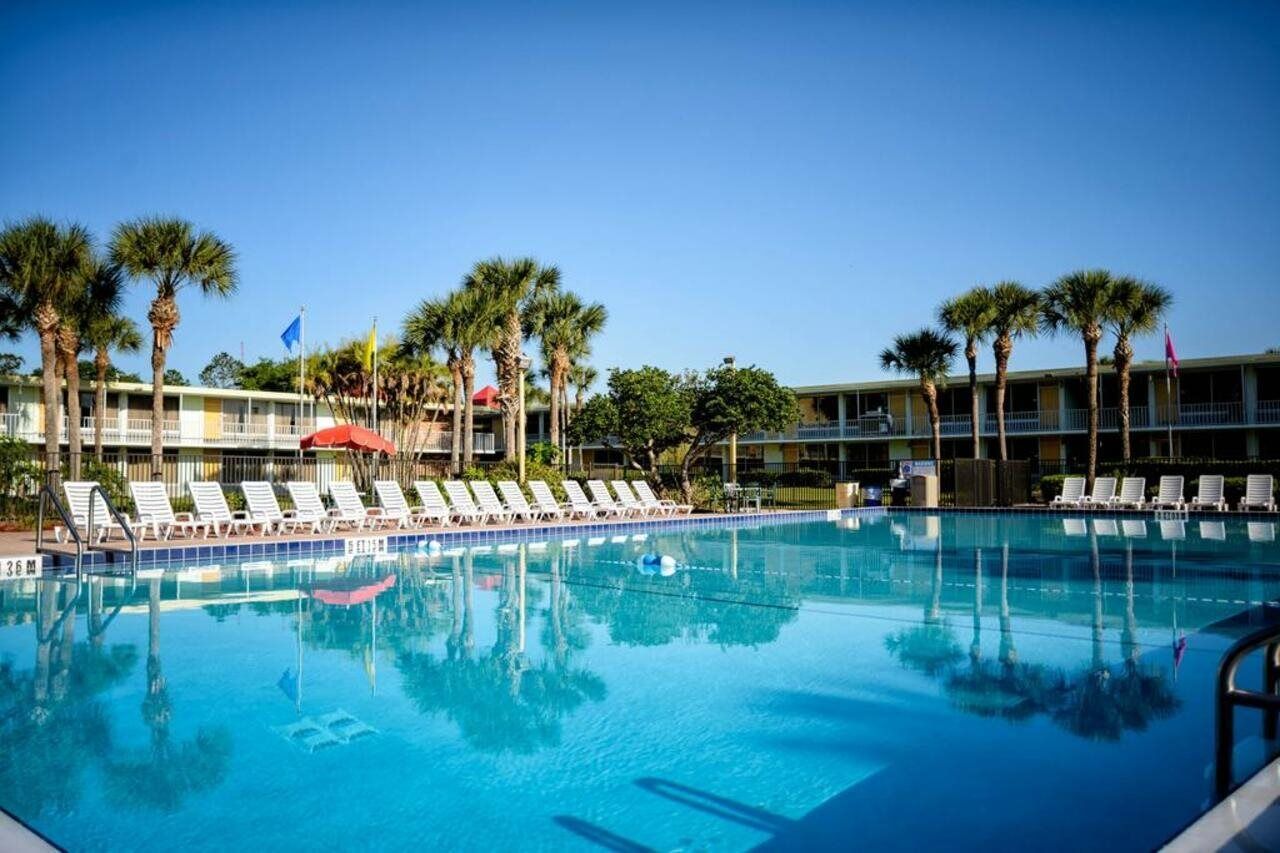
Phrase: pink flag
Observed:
(1170, 354)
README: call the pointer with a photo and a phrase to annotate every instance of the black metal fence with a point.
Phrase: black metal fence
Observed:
(990, 482)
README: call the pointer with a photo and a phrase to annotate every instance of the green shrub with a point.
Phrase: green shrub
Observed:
(1051, 486)
(112, 482)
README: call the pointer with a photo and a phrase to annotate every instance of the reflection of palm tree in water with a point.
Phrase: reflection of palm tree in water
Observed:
(164, 775)
(1008, 651)
(928, 647)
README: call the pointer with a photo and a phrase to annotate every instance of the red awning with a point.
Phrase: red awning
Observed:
(349, 437)
(355, 595)
(486, 396)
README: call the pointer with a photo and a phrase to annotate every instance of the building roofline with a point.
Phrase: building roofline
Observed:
(1143, 367)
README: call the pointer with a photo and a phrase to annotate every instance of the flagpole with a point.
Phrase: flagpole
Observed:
(302, 374)
(375, 374)
(1168, 393)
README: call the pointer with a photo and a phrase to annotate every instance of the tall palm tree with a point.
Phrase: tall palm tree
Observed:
(1137, 307)
(457, 324)
(104, 334)
(581, 377)
(927, 355)
(507, 287)
(969, 315)
(173, 255)
(564, 325)
(1015, 311)
(41, 269)
(1080, 302)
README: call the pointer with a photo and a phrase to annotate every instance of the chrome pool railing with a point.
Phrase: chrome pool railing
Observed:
(1229, 697)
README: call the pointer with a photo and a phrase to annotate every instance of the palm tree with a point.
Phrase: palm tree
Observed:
(1137, 307)
(581, 377)
(97, 299)
(1080, 302)
(457, 323)
(565, 326)
(105, 333)
(1015, 311)
(507, 288)
(927, 355)
(173, 255)
(41, 270)
(969, 315)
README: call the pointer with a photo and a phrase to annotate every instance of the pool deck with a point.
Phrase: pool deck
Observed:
(1247, 820)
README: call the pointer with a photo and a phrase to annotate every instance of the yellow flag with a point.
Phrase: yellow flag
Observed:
(370, 347)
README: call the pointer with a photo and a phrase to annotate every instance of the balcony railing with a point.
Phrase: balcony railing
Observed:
(1268, 412)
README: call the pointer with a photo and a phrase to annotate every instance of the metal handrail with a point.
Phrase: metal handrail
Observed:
(120, 519)
(1229, 697)
(47, 493)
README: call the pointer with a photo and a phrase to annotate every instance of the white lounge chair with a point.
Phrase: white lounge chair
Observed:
(464, 507)
(1075, 527)
(1170, 495)
(628, 500)
(1134, 528)
(490, 503)
(545, 501)
(351, 508)
(1105, 527)
(211, 506)
(1173, 530)
(155, 513)
(1133, 494)
(579, 503)
(395, 506)
(1262, 531)
(434, 502)
(260, 498)
(307, 503)
(1259, 494)
(648, 498)
(604, 501)
(1072, 493)
(1209, 493)
(1104, 492)
(517, 504)
(77, 493)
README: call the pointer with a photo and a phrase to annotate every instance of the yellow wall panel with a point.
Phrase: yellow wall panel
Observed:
(212, 417)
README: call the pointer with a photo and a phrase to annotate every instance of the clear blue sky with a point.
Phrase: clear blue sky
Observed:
(792, 182)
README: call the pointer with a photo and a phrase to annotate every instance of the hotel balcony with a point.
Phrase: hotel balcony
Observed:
(882, 427)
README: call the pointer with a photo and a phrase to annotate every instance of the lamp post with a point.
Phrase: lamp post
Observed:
(525, 362)
(733, 437)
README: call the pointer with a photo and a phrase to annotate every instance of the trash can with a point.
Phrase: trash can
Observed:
(901, 490)
(924, 490)
(846, 495)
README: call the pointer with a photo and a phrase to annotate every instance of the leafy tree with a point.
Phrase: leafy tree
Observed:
(1081, 302)
(1137, 307)
(222, 371)
(507, 287)
(173, 376)
(565, 326)
(41, 270)
(267, 374)
(10, 364)
(926, 355)
(970, 315)
(104, 333)
(1015, 311)
(732, 400)
(173, 255)
(646, 413)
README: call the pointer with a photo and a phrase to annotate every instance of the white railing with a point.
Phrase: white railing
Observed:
(1268, 412)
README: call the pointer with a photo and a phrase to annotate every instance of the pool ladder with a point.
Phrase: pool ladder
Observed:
(1229, 697)
(48, 497)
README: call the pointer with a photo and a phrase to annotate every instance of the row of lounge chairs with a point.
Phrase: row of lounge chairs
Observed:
(1258, 494)
(476, 503)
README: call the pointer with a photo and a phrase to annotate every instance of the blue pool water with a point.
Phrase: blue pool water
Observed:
(890, 681)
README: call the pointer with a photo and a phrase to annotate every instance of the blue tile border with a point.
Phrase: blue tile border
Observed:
(333, 546)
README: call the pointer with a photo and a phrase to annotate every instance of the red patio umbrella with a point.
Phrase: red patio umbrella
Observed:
(348, 437)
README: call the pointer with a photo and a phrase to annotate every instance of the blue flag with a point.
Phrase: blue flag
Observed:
(292, 334)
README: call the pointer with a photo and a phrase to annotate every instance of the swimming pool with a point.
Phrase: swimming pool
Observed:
(888, 680)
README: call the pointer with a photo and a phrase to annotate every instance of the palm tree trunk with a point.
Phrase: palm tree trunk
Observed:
(101, 363)
(1124, 356)
(1002, 348)
(455, 440)
(507, 360)
(930, 393)
(469, 409)
(971, 355)
(47, 323)
(1091, 337)
(67, 343)
(559, 367)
